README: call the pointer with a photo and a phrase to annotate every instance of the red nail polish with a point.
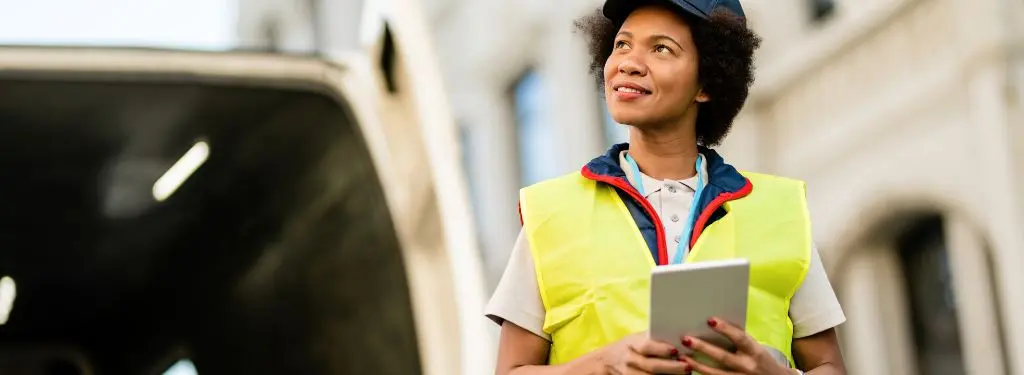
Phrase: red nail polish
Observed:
(687, 342)
(712, 323)
(675, 353)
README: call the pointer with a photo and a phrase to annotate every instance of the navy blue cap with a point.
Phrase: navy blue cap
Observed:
(618, 10)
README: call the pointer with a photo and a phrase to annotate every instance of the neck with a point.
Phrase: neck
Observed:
(664, 154)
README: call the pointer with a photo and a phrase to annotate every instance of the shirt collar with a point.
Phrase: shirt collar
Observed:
(652, 185)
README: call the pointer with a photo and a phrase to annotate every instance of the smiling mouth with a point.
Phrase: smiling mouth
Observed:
(631, 90)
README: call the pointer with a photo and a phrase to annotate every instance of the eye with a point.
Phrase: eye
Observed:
(619, 44)
(661, 48)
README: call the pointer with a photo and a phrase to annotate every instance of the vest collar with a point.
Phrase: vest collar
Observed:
(724, 178)
(724, 184)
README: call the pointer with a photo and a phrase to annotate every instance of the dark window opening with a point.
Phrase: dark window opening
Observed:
(387, 60)
(925, 263)
(821, 10)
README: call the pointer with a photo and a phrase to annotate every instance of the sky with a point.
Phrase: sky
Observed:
(191, 24)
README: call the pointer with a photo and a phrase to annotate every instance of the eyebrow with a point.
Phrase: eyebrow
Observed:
(652, 37)
(662, 36)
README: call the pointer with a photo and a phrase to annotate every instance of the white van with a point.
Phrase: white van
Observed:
(249, 213)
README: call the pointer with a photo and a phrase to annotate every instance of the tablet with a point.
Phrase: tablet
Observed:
(684, 296)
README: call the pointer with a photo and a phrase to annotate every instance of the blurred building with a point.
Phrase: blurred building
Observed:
(904, 117)
(300, 26)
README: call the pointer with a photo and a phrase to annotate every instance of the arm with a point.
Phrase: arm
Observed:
(816, 312)
(819, 354)
(524, 347)
(520, 352)
(517, 307)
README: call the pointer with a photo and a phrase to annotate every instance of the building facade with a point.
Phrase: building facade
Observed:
(903, 116)
(894, 112)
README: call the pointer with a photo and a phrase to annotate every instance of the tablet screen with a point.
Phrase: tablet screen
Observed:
(684, 296)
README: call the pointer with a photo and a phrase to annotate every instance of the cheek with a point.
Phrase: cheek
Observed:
(678, 81)
(609, 69)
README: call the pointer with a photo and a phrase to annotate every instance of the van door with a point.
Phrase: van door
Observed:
(239, 211)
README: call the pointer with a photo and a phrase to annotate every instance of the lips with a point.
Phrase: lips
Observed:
(630, 87)
(629, 91)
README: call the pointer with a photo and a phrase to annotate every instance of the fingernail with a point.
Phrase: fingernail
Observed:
(712, 323)
(675, 353)
(687, 342)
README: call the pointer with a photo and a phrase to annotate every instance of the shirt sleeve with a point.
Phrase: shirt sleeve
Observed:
(815, 307)
(517, 298)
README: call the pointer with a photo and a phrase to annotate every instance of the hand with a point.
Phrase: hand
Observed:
(638, 355)
(750, 358)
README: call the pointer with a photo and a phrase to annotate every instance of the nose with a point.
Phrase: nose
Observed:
(633, 67)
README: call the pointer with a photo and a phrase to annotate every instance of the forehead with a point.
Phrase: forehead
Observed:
(656, 19)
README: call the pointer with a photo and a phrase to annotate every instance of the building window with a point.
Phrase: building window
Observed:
(923, 257)
(537, 139)
(466, 148)
(614, 132)
(271, 36)
(821, 10)
(468, 168)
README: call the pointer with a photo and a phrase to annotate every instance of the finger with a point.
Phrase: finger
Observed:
(653, 348)
(661, 366)
(716, 353)
(705, 369)
(743, 341)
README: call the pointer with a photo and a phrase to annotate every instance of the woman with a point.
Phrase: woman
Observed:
(573, 299)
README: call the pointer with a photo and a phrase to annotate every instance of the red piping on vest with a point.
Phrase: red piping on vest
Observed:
(705, 215)
(629, 189)
(659, 229)
(520, 208)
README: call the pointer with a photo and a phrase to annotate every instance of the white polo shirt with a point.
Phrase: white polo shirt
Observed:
(813, 309)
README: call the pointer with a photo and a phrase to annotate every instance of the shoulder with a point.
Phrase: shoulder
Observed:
(556, 189)
(764, 178)
(568, 179)
(766, 185)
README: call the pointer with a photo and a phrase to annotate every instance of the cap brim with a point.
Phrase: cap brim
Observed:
(618, 10)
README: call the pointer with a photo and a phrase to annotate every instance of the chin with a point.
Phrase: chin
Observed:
(630, 116)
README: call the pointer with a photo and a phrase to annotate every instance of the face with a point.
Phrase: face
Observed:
(651, 75)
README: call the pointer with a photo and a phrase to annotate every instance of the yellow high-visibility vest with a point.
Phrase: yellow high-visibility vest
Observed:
(593, 265)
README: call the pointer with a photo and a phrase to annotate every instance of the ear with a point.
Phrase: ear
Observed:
(702, 97)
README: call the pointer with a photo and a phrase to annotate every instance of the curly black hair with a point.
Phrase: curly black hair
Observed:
(725, 70)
